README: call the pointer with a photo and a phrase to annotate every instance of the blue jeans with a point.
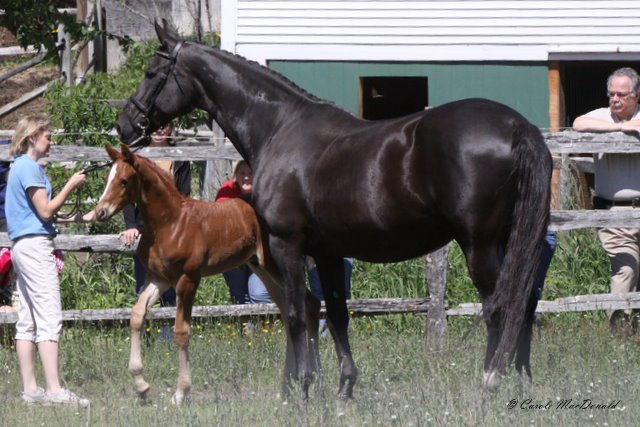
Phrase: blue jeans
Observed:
(548, 250)
(258, 293)
(168, 298)
(245, 287)
(237, 281)
(316, 287)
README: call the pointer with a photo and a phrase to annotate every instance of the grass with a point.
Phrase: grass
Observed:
(236, 379)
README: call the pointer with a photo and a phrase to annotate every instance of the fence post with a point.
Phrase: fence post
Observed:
(435, 330)
(214, 172)
(65, 56)
(566, 182)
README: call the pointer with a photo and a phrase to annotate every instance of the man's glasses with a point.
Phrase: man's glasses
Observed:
(620, 95)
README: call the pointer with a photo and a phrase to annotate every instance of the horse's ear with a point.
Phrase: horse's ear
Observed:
(128, 155)
(166, 35)
(112, 152)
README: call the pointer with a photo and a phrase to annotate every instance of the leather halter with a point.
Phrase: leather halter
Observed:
(147, 110)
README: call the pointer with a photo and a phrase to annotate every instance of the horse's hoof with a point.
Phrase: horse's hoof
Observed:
(491, 381)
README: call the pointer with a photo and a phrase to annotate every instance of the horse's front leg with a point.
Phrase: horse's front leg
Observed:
(185, 293)
(276, 290)
(289, 260)
(146, 300)
(332, 279)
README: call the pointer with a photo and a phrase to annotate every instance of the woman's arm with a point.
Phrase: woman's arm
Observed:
(46, 208)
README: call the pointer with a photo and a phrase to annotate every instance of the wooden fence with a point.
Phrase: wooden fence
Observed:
(562, 144)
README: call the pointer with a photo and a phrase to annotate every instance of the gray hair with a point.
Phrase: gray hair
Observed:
(626, 72)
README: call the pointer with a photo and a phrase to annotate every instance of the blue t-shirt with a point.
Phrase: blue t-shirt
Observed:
(22, 217)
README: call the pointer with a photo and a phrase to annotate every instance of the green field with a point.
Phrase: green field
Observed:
(578, 367)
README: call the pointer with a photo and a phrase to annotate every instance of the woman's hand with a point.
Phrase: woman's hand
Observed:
(128, 237)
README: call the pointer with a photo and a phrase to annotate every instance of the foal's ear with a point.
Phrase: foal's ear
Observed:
(128, 155)
(166, 35)
(112, 152)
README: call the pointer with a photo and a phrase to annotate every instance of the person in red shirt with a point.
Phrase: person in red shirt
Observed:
(244, 286)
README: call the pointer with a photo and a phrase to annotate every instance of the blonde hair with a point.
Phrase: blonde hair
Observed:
(28, 128)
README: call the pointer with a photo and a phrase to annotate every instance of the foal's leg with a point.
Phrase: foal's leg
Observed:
(146, 300)
(185, 293)
(331, 272)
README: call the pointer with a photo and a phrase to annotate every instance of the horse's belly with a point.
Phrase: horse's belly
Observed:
(384, 246)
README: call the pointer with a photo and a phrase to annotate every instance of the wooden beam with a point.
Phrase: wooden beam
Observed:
(27, 97)
(556, 98)
(25, 66)
(577, 303)
(364, 307)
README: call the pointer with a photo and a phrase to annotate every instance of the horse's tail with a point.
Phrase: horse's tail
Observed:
(529, 222)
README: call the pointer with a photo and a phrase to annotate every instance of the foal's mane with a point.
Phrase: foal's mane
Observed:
(145, 164)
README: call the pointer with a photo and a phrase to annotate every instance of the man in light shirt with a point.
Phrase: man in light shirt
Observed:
(617, 184)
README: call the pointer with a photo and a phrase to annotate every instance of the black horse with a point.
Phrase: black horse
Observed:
(332, 185)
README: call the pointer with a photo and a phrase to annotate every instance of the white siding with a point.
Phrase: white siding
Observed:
(431, 30)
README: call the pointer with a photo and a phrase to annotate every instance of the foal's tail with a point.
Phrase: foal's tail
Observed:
(529, 222)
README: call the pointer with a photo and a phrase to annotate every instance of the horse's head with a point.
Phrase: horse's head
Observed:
(122, 183)
(163, 93)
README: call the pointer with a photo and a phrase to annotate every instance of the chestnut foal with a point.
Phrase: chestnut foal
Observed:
(184, 240)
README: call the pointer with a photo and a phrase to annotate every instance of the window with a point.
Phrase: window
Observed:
(388, 97)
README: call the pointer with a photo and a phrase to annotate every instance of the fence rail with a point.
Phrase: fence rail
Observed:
(362, 307)
(562, 143)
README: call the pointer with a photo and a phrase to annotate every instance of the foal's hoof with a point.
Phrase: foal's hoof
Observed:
(143, 393)
(177, 399)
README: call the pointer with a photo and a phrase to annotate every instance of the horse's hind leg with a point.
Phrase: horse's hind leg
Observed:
(483, 263)
(185, 292)
(523, 349)
(331, 272)
(146, 300)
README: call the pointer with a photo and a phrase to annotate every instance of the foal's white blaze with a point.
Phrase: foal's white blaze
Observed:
(112, 174)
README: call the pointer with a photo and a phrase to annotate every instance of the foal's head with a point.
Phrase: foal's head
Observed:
(122, 185)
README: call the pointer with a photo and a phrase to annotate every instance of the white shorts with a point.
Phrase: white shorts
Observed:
(40, 310)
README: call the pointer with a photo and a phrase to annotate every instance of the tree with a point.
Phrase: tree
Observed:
(35, 22)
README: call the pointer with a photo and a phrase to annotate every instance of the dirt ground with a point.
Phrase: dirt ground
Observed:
(20, 84)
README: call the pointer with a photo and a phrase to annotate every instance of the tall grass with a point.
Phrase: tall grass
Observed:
(236, 380)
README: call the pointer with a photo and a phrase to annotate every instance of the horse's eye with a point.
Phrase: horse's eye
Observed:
(149, 74)
(124, 182)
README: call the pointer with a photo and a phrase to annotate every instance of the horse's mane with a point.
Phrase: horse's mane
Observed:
(271, 72)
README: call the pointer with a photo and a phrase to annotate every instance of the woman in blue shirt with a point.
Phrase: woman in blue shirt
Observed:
(30, 214)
